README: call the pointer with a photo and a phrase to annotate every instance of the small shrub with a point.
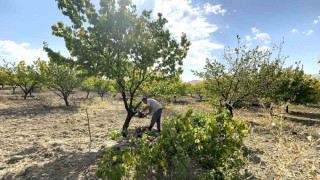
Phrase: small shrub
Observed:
(115, 135)
(210, 140)
(150, 133)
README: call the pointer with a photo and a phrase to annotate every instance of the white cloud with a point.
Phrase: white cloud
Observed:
(182, 17)
(25, 44)
(294, 30)
(11, 51)
(215, 9)
(308, 33)
(316, 21)
(255, 30)
(261, 36)
(264, 48)
(247, 37)
(199, 51)
(137, 2)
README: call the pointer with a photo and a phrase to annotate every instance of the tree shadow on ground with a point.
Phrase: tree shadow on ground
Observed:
(203, 100)
(69, 165)
(305, 114)
(317, 106)
(182, 102)
(306, 122)
(253, 157)
(36, 110)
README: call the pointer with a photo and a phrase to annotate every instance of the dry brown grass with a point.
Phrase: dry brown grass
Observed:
(42, 139)
(280, 148)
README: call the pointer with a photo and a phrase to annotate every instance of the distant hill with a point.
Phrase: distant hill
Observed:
(315, 75)
(195, 81)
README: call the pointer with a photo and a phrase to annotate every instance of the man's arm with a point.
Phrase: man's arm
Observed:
(146, 109)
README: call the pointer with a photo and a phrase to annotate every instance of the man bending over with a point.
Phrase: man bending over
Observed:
(153, 106)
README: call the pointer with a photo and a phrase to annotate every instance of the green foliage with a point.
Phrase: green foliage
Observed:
(213, 141)
(60, 78)
(101, 86)
(10, 70)
(137, 103)
(199, 88)
(177, 88)
(150, 133)
(297, 88)
(28, 76)
(115, 135)
(87, 84)
(248, 75)
(3, 75)
(165, 88)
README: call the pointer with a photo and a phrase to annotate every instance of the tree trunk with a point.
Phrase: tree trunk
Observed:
(287, 109)
(101, 95)
(191, 94)
(271, 111)
(25, 95)
(230, 109)
(66, 101)
(126, 123)
(201, 96)
(88, 94)
(175, 99)
(14, 90)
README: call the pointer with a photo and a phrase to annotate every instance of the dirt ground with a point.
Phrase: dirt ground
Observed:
(40, 138)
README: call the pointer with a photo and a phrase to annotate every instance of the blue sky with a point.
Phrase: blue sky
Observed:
(210, 26)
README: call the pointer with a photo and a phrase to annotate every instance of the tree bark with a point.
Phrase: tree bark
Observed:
(271, 111)
(230, 109)
(287, 109)
(126, 123)
(175, 99)
(14, 90)
(66, 101)
(101, 95)
(88, 94)
(201, 96)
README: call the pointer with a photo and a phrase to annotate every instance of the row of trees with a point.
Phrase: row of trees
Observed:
(61, 79)
(136, 52)
(251, 77)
